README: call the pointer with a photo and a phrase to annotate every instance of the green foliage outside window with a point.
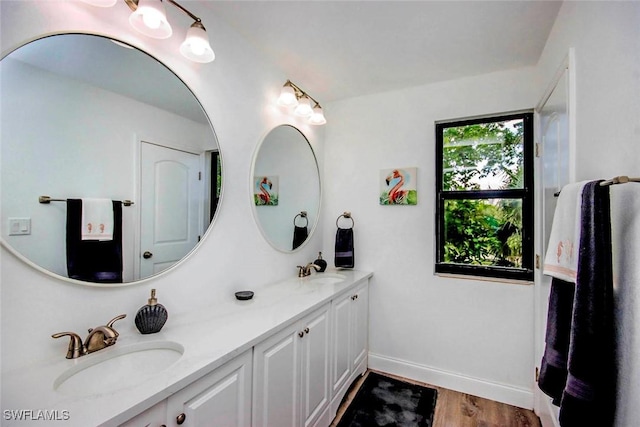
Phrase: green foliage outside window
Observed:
(482, 190)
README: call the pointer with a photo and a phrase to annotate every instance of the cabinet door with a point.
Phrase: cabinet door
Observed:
(360, 326)
(315, 365)
(276, 379)
(341, 336)
(221, 398)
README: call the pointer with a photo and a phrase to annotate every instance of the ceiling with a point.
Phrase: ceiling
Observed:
(342, 49)
(332, 49)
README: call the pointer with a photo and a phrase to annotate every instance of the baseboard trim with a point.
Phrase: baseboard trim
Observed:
(504, 393)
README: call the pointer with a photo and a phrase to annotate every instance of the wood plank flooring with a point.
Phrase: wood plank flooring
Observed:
(454, 409)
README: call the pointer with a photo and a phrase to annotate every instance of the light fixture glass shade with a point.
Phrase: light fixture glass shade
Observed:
(317, 117)
(150, 19)
(288, 97)
(101, 3)
(196, 45)
(304, 107)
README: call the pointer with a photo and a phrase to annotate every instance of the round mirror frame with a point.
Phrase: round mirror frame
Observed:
(295, 216)
(206, 233)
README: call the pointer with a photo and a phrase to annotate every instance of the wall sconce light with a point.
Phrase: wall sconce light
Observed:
(150, 18)
(293, 97)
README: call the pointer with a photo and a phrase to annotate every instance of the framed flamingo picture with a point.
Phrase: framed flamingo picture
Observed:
(398, 186)
(265, 190)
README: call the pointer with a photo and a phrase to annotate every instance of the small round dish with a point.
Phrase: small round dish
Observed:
(244, 295)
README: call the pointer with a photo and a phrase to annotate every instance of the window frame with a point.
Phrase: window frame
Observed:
(525, 194)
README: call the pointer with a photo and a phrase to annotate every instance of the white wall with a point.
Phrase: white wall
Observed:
(475, 336)
(606, 39)
(238, 91)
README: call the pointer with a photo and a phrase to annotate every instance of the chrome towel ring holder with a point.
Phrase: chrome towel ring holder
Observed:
(302, 214)
(348, 216)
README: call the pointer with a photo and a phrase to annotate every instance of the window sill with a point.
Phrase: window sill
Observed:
(485, 279)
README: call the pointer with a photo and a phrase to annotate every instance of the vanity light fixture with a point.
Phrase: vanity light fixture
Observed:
(150, 18)
(292, 96)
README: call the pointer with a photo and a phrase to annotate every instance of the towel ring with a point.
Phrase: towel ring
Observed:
(346, 215)
(302, 214)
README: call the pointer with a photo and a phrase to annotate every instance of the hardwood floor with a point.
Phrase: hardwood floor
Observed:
(454, 409)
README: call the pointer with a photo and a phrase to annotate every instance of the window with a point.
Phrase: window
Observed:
(484, 188)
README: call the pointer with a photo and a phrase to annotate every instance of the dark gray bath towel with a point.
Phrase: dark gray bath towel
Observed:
(578, 367)
(344, 254)
(299, 235)
(93, 260)
(553, 369)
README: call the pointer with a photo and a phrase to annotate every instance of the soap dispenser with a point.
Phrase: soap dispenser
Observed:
(320, 263)
(151, 317)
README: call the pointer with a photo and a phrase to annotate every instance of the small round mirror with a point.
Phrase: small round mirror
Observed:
(286, 188)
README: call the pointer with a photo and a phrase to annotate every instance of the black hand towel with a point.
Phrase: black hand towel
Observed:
(344, 255)
(299, 235)
(93, 260)
(590, 392)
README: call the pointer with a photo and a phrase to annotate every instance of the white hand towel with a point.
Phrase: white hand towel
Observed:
(97, 219)
(561, 259)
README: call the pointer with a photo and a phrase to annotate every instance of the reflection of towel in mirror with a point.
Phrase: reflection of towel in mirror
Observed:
(97, 219)
(299, 235)
(93, 260)
(344, 254)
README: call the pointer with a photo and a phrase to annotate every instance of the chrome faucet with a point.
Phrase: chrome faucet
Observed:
(98, 338)
(306, 270)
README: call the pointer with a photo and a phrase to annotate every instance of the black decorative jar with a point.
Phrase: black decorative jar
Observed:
(151, 317)
(321, 263)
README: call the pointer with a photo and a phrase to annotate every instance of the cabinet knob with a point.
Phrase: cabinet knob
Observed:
(306, 330)
(180, 418)
(301, 334)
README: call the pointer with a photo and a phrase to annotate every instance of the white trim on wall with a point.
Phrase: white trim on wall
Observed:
(499, 392)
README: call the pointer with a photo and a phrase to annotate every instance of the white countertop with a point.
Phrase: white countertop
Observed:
(209, 337)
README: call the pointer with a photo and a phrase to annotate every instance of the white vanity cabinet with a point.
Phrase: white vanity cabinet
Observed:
(350, 340)
(221, 398)
(152, 417)
(294, 374)
(291, 374)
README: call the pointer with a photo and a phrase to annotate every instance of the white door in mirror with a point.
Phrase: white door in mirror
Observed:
(170, 206)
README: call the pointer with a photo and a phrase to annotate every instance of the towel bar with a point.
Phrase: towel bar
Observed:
(622, 179)
(47, 200)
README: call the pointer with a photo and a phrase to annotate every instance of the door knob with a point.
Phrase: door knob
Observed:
(147, 255)
(180, 418)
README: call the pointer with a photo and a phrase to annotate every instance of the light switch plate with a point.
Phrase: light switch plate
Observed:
(19, 226)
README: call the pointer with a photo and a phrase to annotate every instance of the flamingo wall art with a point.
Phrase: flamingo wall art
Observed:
(398, 186)
(265, 190)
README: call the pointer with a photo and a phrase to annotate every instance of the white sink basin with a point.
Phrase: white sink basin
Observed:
(117, 368)
(326, 279)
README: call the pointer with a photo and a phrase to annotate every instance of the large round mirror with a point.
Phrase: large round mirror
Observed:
(89, 124)
(286, 188)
